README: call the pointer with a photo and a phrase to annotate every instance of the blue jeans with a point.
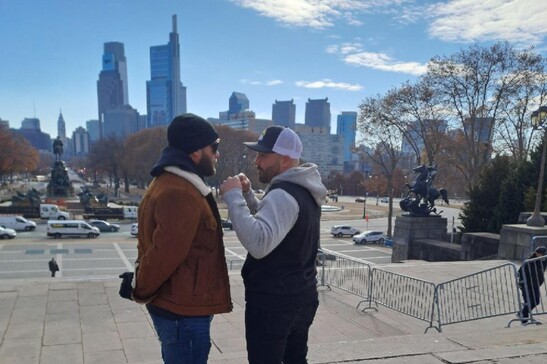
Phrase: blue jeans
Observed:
(278, 337)
(184, 341)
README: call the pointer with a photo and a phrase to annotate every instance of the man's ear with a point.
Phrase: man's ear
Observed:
(196, 156)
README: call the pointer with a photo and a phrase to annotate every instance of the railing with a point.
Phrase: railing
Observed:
(489, 293)
(411, 296)
(343, 272)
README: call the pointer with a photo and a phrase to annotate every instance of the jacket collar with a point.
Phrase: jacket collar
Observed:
(193, 178)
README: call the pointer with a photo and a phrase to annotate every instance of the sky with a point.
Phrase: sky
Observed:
(343, 50)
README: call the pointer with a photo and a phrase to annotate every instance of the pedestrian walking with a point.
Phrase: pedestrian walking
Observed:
(53, 267)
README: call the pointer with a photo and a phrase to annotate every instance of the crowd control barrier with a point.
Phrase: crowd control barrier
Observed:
(408, 295)
(489, 293)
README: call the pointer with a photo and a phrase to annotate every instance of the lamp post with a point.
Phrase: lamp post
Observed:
(538, 120)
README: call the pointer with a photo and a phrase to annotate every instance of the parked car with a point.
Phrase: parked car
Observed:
(134, 229)
(360, 199)
(341, 230)
(372, 236)
(384, 199)
(226, 224)
(104, 226)
(6, 233)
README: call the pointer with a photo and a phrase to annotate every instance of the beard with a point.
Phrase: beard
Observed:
(266, 175)
(206, 166)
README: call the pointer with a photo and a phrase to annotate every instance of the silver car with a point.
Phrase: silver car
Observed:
(6, 233)
(369, 237)
(341, 230)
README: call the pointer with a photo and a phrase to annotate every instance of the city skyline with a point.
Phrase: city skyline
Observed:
(343, 50)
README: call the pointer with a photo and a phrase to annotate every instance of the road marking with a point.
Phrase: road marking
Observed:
(123, 257)
(234, 254)
(60, 259)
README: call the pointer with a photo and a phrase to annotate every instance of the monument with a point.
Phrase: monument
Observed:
(59, 184)
(421, 220)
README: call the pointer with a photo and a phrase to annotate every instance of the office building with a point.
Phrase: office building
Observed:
(121, 122)
(321, 148)
(30, 130)
(237, 104)
(112, 84)
(318, 113)
(284, 113)
(80, 142)
(165, 94)
(93, 130)
(61, 127)
(346, 125)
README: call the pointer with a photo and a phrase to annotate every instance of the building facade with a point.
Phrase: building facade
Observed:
(93, 129)
(112, 88)
(284, 113)
(121, 122)
(346, 126)
(318, 113)
(80, 142)
(165, 94)
(321, 148)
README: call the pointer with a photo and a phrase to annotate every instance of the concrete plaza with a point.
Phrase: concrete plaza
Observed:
(68, 320)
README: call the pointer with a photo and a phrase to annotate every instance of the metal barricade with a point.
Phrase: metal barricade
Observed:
(489, 293)
(405, 294)
(532, 287)
(343, 272)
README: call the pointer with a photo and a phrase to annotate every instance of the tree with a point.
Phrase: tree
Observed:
(142, 151)
(380, 132)
(472, 86)
(234, 156)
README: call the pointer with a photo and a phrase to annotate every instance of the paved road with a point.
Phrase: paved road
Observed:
(27, 255)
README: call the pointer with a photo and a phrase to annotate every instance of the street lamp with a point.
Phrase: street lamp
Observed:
(538, 119)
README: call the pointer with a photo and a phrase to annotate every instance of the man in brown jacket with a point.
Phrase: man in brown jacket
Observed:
(181, 269)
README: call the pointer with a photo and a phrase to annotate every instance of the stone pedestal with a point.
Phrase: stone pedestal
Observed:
(515, 240)
(409, 228)
(59, 184)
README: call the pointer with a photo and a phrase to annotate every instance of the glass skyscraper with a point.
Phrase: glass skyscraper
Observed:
(284, 113)
(165, 94)
(318, 113)
(112, 83)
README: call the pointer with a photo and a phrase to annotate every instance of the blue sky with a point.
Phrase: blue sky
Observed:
(270, 50)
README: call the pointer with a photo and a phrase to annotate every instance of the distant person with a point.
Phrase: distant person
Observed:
(281, 235)
(53, 267)
(535, 277)
(180, 270)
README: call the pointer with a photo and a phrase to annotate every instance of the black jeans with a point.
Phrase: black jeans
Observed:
(278, 337)
(529, 305)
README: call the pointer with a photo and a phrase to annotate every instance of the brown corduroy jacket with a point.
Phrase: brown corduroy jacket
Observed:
(181, 266)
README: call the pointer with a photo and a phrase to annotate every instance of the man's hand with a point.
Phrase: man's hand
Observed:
(245, 183)
(229, 184)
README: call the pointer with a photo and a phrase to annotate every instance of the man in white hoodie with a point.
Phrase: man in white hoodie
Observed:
(281, 235)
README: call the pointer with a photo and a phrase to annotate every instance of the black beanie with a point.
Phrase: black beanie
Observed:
(189, 132)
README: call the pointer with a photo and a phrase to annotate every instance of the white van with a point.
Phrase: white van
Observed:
(58, 228)
(17, 223)
(130, 212)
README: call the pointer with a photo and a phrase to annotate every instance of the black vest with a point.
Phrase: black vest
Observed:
(286, 278)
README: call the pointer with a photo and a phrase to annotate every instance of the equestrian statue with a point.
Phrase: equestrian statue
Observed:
(419, 197)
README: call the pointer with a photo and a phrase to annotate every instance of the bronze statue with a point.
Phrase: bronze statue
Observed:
(420, 196)
(58, 148)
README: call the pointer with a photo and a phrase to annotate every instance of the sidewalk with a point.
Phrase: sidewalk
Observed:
(56, 321)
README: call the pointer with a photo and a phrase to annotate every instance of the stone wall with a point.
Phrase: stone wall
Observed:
(479, 245)
(409, 228)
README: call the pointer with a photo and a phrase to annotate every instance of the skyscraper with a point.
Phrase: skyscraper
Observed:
(346, 125)
(61, 127)
(318, 113)
(284, 113)
(112, 83)
(238, 103)
(165, 94)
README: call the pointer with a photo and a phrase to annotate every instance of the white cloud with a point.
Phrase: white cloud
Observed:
(353, 53)
(261, 83)
(326, 83)
(518, 21)
(314, 13)
(383, 62)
